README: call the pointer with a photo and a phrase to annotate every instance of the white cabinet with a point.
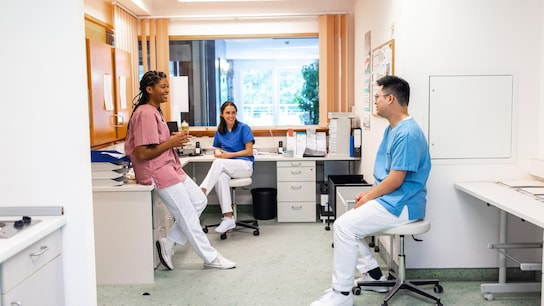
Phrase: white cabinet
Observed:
(296, 182)
(128, 220)
(123, 234)
(34, 276)
(162, 222)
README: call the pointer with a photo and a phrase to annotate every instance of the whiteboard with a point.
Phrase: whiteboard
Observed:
(470, 116)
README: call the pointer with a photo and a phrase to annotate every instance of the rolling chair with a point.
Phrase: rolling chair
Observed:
(397, 280)
(253, 224)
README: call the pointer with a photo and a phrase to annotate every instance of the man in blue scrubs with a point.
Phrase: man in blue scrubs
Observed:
(398, 196)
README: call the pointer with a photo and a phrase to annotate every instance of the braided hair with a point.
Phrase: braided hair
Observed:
(150, 78)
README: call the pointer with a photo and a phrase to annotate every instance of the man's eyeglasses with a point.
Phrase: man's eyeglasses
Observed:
(376, 96)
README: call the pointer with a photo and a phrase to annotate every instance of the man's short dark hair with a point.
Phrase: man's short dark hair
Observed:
(397, 87)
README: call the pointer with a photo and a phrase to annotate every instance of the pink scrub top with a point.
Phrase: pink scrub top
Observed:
(147, 127)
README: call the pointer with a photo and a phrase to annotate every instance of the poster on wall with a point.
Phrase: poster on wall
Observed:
(366, 82)
(383, 63)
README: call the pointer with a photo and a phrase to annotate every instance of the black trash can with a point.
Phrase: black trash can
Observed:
(264, 203)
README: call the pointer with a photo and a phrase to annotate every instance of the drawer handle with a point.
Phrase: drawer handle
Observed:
(296, 207)
(296, 187)
(16, 304)
(42, 250)
(296, 164)
(296, 172)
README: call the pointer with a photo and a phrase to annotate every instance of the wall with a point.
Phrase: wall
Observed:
(460, 37)
(44, 127)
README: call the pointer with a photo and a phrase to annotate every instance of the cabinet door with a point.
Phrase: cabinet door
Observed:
(100, 80)
(124, 90)
(44, 287)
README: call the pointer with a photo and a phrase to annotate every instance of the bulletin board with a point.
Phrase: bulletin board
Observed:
(471, 116)
(383, 63)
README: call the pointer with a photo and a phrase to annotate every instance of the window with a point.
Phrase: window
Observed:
(265, 77)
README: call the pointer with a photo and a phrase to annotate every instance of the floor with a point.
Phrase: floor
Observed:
(287, 264)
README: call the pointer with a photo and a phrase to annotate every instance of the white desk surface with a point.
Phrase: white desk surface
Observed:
(268, 157)
(507, 199)
(11, 246)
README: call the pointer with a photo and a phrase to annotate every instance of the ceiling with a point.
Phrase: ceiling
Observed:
(234, 8)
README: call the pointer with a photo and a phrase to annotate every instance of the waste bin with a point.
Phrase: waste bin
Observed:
(264, 203)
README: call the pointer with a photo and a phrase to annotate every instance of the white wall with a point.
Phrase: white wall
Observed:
(460, 37)
(44, 126)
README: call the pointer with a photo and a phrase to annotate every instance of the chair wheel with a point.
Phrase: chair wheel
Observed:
(223, 236)
(205, 230)
(255, 233)
(332, 245)
(327, 228)
(255, 223)
(377, 249)
(356, 290)
(489, 296)
(438, 288)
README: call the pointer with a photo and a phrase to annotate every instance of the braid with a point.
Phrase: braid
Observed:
(150, 78)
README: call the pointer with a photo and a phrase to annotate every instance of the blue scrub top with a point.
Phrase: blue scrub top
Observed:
(404, 148)
(235, 140)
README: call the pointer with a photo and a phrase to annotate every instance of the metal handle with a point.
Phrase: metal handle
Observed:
(16, 304)
(296, 187)
(296, 207)
(296, 164)
(296, 172)
(42, 250)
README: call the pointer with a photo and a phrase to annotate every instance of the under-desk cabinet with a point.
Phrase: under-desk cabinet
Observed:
(296, 182)
(162, 222)
(34, 276)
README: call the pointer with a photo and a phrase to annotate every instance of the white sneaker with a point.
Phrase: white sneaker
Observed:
(166, 250)
(227, 223)
(333, 297)
(220, 263)
(367, 278)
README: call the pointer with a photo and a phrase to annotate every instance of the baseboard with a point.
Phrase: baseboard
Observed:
(461, 274)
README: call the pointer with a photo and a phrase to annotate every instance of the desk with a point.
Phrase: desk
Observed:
(296, 179)
(511, 202)
(135, 215)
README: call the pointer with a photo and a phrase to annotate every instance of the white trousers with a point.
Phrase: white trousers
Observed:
(350, 247)
(219, 175)
(186, 202)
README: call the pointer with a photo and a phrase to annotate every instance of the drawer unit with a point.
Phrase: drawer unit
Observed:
(34, 276)
(162, 222)
(296, 182)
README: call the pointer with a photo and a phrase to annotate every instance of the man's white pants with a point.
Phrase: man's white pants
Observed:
(350, 248)
(186, 202)
(219, 175)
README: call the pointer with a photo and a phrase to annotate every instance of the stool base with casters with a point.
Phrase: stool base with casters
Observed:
(397, 280)
(252, 224)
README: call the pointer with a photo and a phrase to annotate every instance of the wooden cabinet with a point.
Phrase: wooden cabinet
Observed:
(296, 182)
(34, 276)
(109, 78)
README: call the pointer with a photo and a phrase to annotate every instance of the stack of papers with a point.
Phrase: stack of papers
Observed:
(533, 189)
(109, 168)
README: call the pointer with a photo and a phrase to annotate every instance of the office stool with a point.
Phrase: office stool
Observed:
(253, 224)
(397, 280)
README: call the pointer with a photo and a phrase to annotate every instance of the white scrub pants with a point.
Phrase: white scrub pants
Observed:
(186, 202)
(219, 175)
(350, 247)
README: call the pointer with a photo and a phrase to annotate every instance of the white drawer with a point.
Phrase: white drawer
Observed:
(45, 287)
(29, 260)
(296, 174)
(291, 164)
(296, 211)
(297, 191)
